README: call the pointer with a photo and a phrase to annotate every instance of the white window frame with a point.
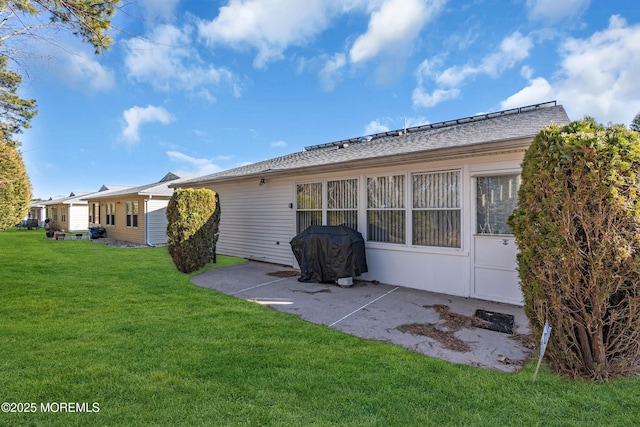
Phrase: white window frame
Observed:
(131, 214)
(385, 208)
(434, 205)
(324, 191)
(110, 214)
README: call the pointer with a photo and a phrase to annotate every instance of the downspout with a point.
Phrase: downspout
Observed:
(146, 225)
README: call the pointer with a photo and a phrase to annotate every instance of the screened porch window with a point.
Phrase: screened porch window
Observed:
(308, 205)
(386, 216)
(342, 203)
(436, 215)
(496, 199)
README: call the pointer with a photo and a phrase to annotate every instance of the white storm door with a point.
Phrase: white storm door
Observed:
(494, 262)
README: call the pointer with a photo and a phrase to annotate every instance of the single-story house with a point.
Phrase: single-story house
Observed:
(94, 207)
(70, 213)
(134, 214)
(431, 201)
(37, 212)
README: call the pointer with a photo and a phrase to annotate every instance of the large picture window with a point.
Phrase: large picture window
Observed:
(386, 216)
(308, 205)
(342, 203)
(496, 199)
(436, 214)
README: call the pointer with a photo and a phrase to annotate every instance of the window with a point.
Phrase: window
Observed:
(63, 214)
(496, 198)
(54, 214)
(342, 203)
(132, 214)
(386, 216)
(94, 213)
(110, 213)
(308, 205)
(436, 215)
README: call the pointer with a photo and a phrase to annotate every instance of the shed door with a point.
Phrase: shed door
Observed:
(494, 263)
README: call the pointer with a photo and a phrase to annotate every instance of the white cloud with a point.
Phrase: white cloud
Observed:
(555, 10)
(279, 144)
(155, 9)
(136, 116)
(331, 71)
(269, 26)
(416, 121)
(393, 27)
(167, 61)
(421, 98)
(193, 165)
(375, 126)
(513, 49)
(538, 91)
(87, 72)
(598, 76)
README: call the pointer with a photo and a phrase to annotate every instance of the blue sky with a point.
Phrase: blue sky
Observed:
(200, 86)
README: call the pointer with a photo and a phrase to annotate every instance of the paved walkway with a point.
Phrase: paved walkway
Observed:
(432, 324)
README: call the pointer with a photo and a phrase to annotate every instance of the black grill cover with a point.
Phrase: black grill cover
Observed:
(327, 253)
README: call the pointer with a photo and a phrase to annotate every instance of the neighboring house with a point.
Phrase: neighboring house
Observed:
(135, 214)
(38, 212)
(431, 201)
(95, 208)
(70, 213)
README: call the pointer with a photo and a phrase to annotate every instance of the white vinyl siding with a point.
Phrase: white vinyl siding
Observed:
(78, 217)
(436, 216)
(257, 222)
(156, 222)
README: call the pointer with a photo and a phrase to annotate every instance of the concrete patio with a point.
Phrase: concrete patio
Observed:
(382, 312)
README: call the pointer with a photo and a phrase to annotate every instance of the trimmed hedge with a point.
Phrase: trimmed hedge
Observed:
(193, 216)
(578, 230)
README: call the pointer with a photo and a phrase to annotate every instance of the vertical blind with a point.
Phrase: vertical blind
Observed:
(342, 203)
(308, 205)
(386, 216)
(436, 219)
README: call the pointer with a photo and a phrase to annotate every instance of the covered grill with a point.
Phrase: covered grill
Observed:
(328, 253)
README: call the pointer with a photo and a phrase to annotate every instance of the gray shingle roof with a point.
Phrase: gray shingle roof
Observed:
(160, 188)
(506, 125)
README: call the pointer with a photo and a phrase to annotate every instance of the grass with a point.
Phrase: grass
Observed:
(84, 322)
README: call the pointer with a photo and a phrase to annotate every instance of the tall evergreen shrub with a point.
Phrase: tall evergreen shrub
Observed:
(578, 230)
(193, 218)
(15, 187)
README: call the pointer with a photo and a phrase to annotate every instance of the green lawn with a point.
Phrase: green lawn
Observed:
(83, 322)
